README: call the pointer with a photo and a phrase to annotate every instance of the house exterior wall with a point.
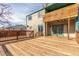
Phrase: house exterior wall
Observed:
(35, 21)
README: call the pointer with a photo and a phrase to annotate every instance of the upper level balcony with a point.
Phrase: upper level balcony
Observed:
(62, 13)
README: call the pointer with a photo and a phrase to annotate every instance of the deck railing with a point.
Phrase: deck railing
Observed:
(6, 35)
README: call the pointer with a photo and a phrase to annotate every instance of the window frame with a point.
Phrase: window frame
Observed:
(30, 17)
(40, 28)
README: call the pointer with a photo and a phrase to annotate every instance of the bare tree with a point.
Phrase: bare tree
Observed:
(5, 12)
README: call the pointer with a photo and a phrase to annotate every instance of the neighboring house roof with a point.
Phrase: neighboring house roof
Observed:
(17, 27)
(53, 7)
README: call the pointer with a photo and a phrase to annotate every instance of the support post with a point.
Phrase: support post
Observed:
(46, 29)
(26, 26)
(68, 28)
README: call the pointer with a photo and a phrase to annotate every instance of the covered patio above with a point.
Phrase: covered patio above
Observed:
(66, 15)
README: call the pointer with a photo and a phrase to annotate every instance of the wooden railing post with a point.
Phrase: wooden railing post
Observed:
(17, 34)
(33, 33)
(46, 32)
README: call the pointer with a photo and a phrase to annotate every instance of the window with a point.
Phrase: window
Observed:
(77, 24)
(78, 19)
(40, 28)
(29, 17)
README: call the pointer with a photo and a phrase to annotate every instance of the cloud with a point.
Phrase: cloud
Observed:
(17, 20)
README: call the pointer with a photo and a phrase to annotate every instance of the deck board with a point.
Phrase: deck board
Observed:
(44, 46)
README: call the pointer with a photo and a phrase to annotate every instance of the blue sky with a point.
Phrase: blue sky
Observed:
(20, 10)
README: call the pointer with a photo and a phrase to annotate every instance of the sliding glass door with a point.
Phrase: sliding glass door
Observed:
(57, 30)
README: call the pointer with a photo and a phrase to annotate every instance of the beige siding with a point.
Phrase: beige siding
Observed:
(36, 21)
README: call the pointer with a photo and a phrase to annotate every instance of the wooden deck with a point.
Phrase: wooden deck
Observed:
(44, 46)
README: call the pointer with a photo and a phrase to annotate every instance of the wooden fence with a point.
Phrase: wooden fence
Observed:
(15, 34)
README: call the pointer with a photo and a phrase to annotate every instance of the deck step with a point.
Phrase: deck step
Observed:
(2, 53)
(7, 52)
